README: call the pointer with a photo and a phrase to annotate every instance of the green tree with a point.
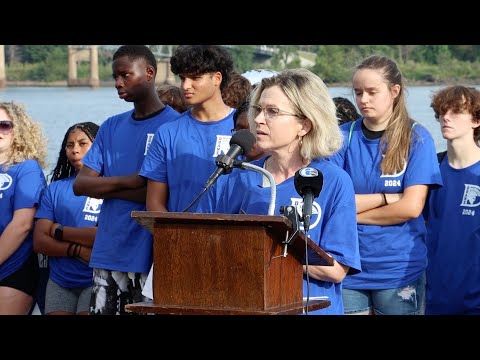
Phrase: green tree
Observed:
(39, 53)
(242, 57)
(330, 63)
(53, 68)
(284, 54)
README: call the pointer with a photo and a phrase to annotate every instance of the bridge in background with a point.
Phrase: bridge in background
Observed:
(89, 53)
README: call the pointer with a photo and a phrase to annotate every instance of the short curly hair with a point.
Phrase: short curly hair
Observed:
(202, 59)
(459, 99)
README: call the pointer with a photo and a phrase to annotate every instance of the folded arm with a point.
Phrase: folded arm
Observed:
(129, 187)
(45, 243)
(409, 206)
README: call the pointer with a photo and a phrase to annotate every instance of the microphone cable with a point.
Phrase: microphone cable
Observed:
(306, 273)
(196, 199)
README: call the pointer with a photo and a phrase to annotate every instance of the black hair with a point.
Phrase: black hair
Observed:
(64, 169)
(240, 110)
(346, 111)
(134, 52)
(202, 59)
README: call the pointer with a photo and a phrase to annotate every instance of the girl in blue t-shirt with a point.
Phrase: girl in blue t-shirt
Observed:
(392, 162)
(22, 157)
(66, 227)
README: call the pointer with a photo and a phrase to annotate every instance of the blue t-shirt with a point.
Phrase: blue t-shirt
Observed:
(119, 149)
(21, 187)
(183, 155)
(333, 224)
(60, 205)
(453, 243)
(393, 255)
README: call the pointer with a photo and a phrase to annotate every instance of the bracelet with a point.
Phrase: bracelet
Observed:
(69, 253)
(385, 198)
(77, 250)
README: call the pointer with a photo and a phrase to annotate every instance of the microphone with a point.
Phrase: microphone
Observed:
(240, 143)
(308, 183)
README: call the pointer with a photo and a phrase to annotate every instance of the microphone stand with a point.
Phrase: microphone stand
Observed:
(273, 194)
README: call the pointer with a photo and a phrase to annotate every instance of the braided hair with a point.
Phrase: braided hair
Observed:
(64, 169)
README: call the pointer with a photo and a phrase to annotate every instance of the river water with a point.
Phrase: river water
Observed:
(57, 108)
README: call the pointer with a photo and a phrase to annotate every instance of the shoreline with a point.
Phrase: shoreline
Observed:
(64, 83)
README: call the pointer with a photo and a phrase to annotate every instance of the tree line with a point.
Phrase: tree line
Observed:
(333, 63)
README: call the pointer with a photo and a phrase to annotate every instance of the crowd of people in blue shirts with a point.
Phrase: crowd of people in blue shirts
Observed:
(399, 221)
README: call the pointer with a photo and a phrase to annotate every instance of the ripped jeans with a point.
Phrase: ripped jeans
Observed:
(406, 300)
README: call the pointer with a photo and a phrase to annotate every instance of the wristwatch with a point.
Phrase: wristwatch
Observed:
(58, 235)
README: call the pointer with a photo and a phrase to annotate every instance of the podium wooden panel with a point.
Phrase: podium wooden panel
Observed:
(226, 264)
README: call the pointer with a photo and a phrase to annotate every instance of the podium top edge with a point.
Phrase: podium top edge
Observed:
(203, 216)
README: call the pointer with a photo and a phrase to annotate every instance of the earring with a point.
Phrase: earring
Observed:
(300, 142)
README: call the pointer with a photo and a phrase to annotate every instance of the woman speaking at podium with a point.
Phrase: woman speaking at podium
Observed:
(294, 120)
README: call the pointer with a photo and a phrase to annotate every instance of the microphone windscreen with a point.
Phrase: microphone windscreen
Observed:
(243, 138)
(308, 178)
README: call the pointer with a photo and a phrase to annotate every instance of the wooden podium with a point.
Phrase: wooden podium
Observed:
(226, 264)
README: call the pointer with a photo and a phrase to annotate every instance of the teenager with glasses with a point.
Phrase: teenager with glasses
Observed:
(293, 117)
(22, 157)
(392, 162)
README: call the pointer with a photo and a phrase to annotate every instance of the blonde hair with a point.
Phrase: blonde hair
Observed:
(395, 141)
(29, 142)
(310, 100)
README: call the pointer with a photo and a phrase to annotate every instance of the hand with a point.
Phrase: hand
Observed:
(52, 229)
(84, 254)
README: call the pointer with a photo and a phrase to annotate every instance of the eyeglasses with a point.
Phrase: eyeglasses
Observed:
(6, 126)
(271, 113)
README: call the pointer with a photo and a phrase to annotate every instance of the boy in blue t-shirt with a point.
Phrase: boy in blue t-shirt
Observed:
(182, 154)
(453, 219)
(122, 253)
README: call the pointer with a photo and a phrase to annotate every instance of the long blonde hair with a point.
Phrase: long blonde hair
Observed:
(395, 141)
(28, 143)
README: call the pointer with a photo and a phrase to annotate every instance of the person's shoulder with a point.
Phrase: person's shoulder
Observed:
(30, 165)
(60, 182)
(420, 129)
(175, 122)
(114, 118)
(170, 112)
(347, 125)
(330, 169)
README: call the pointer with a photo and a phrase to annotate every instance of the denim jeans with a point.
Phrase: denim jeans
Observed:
(406, 300)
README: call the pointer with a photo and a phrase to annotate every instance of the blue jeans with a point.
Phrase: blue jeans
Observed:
(406, 300)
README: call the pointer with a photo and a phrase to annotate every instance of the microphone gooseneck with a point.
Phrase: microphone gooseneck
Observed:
(240, 143)
(271, 180)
